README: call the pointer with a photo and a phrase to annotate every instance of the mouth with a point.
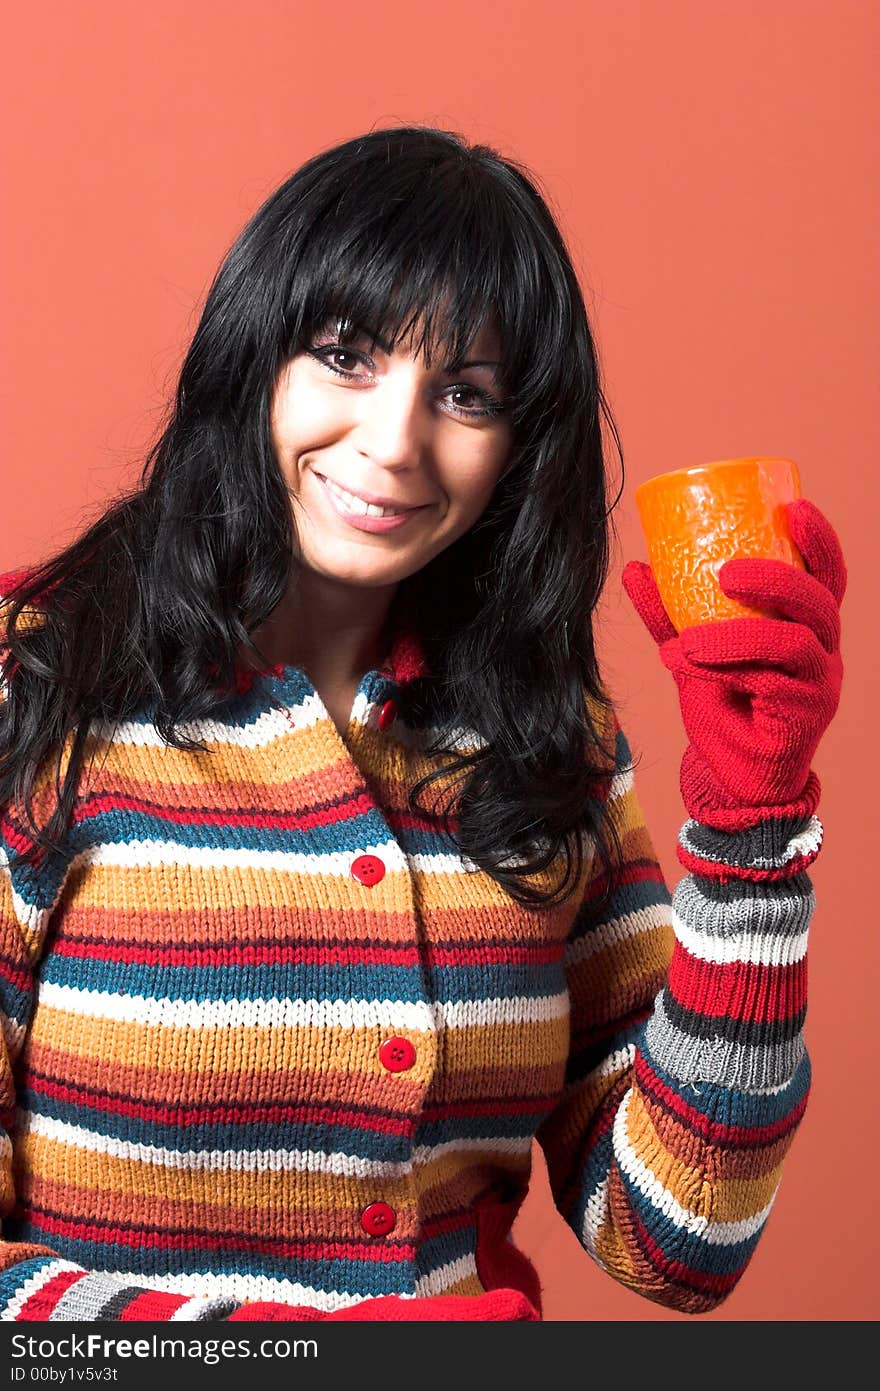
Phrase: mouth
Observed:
(363, 515)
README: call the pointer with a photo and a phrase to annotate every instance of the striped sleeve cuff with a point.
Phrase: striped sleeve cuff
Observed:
(774, 849)
(733, 1008)
(50, 1290)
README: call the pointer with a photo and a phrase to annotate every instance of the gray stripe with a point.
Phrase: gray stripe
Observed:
(718, 1061)
(769, 910)
(85, 1299)
(765, 846)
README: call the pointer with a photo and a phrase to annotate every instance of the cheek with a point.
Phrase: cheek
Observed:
(472, 490)
(300, 415)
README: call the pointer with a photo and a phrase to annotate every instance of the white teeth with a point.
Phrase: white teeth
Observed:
(357, 505)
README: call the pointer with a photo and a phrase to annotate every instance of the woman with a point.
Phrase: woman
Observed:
(326, 884)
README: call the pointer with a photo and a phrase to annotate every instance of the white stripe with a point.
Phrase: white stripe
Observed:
(220, 1161)
(426, 1155)
(621, 783)
(518, 1009)
(361, 709)
(442, 864)
(759, 949)
(810, 839)
(615, 931)
(436, 1281)
(274, 723)
(260, 1160)
(35, 1282)
(206, 1285)
(271, 724)
(712, 1233)
(33, 919)
(150, 853)
(595, 1214)
(274, 1013)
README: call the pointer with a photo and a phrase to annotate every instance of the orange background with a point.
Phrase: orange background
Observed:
(713, 164)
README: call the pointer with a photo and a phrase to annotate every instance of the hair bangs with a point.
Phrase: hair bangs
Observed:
(429, 266)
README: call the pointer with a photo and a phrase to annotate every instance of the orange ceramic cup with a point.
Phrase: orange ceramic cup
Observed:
(697, 518)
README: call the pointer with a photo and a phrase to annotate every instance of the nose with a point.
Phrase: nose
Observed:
(393, 420)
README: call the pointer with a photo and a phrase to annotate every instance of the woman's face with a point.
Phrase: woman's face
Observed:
(354, 425)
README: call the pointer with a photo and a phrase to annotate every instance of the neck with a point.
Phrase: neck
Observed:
(336, 632)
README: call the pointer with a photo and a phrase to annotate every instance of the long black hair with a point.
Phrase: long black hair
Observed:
(400, 228)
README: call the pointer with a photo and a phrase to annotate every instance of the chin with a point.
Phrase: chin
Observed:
(365, 577)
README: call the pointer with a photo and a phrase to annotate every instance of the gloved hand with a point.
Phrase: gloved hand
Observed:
(756, 694)
(502, 1305)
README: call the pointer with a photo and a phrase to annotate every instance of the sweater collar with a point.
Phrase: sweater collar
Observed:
(407, 661)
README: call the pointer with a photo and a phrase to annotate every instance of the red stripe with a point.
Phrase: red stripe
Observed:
(636, 872)
(514, 1106)
(504, 954)
(383, 1252)
(151, 1306)
(330, 955)
(737, 989)
(741, 1135)
(344, 810)
(240, 1112)
(244, 955)
(229, 816)
(452, 1222)
(18, 977)
(41, 1305)
(17, 839)
(684, 1274)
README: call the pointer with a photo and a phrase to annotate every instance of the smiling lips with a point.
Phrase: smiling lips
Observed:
(365, 516)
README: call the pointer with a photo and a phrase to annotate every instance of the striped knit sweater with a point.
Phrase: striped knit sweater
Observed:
(268, 1038)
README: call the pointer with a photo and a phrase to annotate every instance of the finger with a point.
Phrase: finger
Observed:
(775, 585)
(640, 585)
(755, 643)
(818, 544)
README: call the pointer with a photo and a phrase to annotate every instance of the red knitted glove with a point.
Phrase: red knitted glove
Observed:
(503, 1305)
(756, 694)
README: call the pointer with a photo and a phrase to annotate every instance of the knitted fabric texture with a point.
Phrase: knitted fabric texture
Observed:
(203, 1123)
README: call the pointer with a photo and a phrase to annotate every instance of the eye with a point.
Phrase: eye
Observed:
(489, 405)
(324, 355)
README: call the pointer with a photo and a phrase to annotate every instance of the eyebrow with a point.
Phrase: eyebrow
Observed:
(356, 330)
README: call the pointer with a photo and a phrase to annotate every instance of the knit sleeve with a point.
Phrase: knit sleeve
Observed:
(687, 1073)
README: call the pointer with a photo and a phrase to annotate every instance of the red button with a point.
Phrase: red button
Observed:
(388, 714)
(368, 870)
(378, 1219)
(397, 1054)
